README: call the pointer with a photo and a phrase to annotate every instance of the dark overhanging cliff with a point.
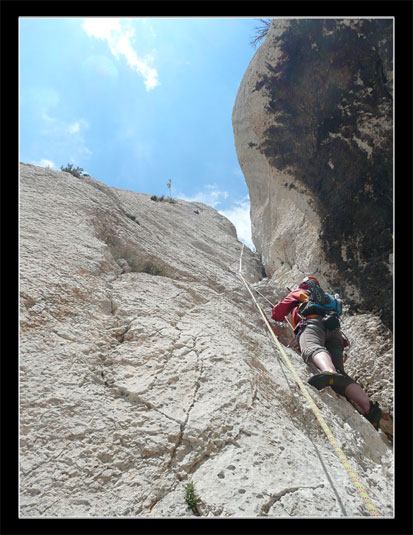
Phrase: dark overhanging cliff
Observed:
(329, 96)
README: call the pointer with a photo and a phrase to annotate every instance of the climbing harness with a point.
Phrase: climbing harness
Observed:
(351, 473)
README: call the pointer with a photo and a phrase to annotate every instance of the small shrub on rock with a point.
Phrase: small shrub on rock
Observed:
(171, 200)
(191, 498)
(133, 217)
(77, 172)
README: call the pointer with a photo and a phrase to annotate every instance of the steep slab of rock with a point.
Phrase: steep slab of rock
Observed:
(145, 365)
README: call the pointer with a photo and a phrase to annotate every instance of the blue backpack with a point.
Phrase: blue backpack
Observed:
(322, 304)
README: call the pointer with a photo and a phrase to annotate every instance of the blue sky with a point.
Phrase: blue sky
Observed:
(136, 102)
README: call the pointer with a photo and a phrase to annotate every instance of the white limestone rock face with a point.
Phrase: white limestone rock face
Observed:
(145, 365)
(277, 212)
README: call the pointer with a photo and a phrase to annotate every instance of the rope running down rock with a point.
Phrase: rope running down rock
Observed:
(339, 452)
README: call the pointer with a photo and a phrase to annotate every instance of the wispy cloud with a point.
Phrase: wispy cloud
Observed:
(77, 126)
(239, 215)
(74, 128)
(65, 139)
(119, 35)
(211, 195)
(238, 212)
(45, 163)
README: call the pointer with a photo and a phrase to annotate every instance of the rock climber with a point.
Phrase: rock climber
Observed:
(322, 343)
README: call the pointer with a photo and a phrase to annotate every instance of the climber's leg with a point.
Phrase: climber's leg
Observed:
(323, 361)
(312, 344)
(329, 360)
(369, 410)
(335, 347)
(354, 392)
(312, 340)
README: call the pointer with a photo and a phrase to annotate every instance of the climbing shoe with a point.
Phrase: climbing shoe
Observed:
(373, 415)
(337, 381)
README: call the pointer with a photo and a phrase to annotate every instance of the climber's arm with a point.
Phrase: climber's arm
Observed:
(284, 307)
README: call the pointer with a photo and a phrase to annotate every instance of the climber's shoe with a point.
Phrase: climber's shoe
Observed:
(373, 415)
(321, 380)
(337, 381)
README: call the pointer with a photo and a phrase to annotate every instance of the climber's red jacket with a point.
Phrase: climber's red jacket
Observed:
(290, 302)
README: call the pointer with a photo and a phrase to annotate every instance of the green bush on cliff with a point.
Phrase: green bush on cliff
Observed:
(77, 172)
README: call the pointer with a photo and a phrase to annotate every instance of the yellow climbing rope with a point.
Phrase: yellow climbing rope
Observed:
(351, 473)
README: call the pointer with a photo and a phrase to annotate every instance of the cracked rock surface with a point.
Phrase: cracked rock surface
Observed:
(145, 365)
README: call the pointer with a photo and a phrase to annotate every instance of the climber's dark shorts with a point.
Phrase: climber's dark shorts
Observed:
(315, 338)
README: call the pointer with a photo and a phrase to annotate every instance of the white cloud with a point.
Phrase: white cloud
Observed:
(211, 196)
(45, 163)
(238, 212)
(239, 215)
(65, 140)
(102, 27)
(120, 37)
(48, 118)
(74, 128)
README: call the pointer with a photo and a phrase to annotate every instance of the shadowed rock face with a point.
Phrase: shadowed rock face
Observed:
(321, 94)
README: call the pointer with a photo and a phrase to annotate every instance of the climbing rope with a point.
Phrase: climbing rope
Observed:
(351, 473)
